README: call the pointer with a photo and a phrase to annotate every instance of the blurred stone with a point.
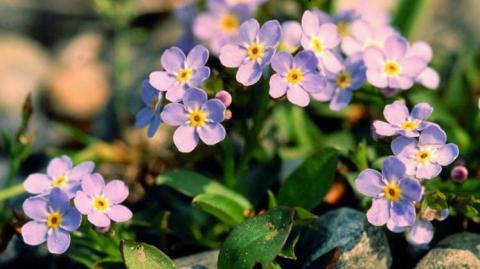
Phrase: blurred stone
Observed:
(204, 260)
(79, 84)
(343, 239)
(457, 251)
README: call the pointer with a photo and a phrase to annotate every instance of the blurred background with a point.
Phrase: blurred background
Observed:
(83, 62)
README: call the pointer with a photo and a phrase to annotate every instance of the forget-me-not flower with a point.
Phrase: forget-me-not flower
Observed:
(363, 35)
(254, 50)
(296, 76)
(429, 78)
(291, 36)
(150, 114)
(181, 72)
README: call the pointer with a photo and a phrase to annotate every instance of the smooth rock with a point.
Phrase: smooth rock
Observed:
(360, 245)
(457, 251)
(204, 260)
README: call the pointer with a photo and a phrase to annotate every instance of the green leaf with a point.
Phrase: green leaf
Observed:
(288, 251)
(138, 255)
(7, 143)
(406, 14)
(359, 156)
(257, 240)
(304, 216)
(272, 201)
(309, 183)
(223, 207)
(193, 184)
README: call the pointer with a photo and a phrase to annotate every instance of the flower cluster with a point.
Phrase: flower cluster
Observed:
(420, 151)
(53, 218)
(322, 57)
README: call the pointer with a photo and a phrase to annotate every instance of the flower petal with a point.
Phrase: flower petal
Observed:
(172, 60)
(313, 82)
(400, 82)
(447, 154)
(378, 214)
(37, 183)
(432, 135)
(154, 125)
(340, 100)
(383, 128)
(393, 169)
(248, 31)
(249, 73)
(328, 32)
(80, 170)
(404, 146)
(310, 23)
(116, 191)
(429, 78)
(305, 60)
(232, 55)
(402, 214)
(326, 93)
(369, 183)
(83, 202)
(143, 117)
(412, 66)
(270, 33)
(194, 99)
(34, 233)
(422, 111)
(298, 96)
(278, 86)
(185, 138)
(396, 113)
(215, 110)
(36, 208)
(201, 74)
(59, 166)
(411, 189)
(71, 220)
(59, 200)
(174, 114)
(421, 233)
(99, 219)
(282, 62)
(176, 92)
(211, 133)
(421, 50)
(58, 241)
(377, 79)
(93, 185)
(161, 80)
(119, 213)
(428, 171)
(395, 47)
(373, 58)
(197, 57)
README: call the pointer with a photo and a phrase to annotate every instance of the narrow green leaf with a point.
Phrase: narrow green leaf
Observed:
(7, 143)
(272, 201)
(223, 207)
(304, 216)
(138, 255)
(193, 184)
(258, 240)
(310, 182)
(359, 156)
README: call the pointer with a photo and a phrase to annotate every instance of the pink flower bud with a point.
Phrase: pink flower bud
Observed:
(459, 173)
(225, 97)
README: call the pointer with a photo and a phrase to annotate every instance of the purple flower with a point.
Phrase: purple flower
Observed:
(364, 36)
(342, 83)
(197, 118)
(322, 39)
(424, 159)
(253, 52)
(342, 19)
(102, 202)
(52, 220)
(150, 114)
(181, 72)
(291, 36)
(429, 78)
(220, 25)
(186, 13)
(391, 66)
(393, 194)
(399, 121)
(60, 174)
(296, 76)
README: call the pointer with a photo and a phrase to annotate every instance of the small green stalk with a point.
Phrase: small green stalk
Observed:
(11, 192)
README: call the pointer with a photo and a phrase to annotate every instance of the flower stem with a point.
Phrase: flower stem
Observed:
(11, 192)
(253, 135)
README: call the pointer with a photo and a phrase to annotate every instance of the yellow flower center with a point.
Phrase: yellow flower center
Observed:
(256, 51)
(391, 68)
(184, 75)
(294, 76)
(423, 156)
(54, 220)
(197, 118)
(101, 204)
(343, 80)
(317, 45)
(343, 28)
(229, 23)
(392, 192)
(60, 182)
(409, 125)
